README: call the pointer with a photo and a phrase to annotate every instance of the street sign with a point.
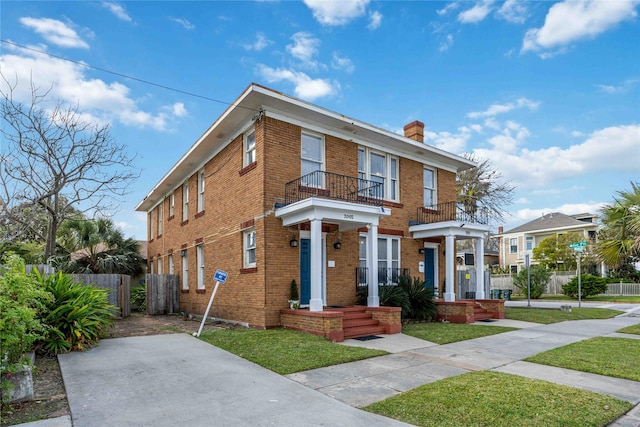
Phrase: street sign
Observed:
(578, 244)
(220, 276)
(579, 249)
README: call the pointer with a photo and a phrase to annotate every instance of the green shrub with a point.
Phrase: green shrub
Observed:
(539, 279)
(21, 300)
(77, 317)
(589, 286)
(139, 298)
(420, 304)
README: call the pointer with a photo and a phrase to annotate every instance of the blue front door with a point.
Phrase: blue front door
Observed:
(305, 271)
(430, 268)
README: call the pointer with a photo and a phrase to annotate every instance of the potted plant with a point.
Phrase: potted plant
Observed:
(294, 297)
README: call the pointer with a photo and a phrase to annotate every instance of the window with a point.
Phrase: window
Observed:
(429, 184)
(514, 269)
(381, 168)
(171, 264)
(185, 201)
(185, 270)
(200, 263)
(312, 159)
(249, 246)
(172, 203)
(151, 228)
(513, 245)
(529, 243)
(159, 219)
(153, 270)
(388, 258)
(201, 190)
(159, 264)
(249, 148)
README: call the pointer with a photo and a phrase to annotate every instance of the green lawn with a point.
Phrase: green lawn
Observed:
(613, 357)
(496, 399)
(546, 316)
(610, 298)
(285, 351)
(444, 333)
(634, 329)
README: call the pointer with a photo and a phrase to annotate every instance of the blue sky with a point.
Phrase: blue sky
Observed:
(548, 91)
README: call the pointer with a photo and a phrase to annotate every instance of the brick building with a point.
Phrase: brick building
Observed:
(278, 189)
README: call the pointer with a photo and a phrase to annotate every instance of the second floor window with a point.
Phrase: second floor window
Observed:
(185, 270)
(159, 219)
(529, 243)
(380, 168)
(172, 203)
(151, 228)
(429, 182)
(201, 191)
(249, 249)
(312, 158)
(185, 201)
(249, 148)
(513, 245)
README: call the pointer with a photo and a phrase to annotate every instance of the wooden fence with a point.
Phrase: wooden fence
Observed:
(119, 286)
(163, 294)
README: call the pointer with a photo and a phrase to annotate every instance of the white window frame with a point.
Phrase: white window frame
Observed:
(248, 249)
(201, 190)
(152, 267)
(200, 265)
(249, 148)
(185, 270)
(172, 204)
(159, 265)
(389, 258)
(391, 178)
(151, 227)
(185, 201)
(432, 189)
(321, 163)
(172, 265)
(511, 246)
(159, 218)
(529, 243)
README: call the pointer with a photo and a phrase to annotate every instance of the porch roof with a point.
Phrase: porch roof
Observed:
(459, 229)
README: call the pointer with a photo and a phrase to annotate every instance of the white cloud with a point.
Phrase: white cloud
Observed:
(260, 43)
(117, 10)
(304, 86)
(451, 142)
(624, 87)
(340, 63)
(335, 13)
(184, 22)
(446, 44)
(512, 136)
(513, 11)
(54, 31)
(179, 109)
(375, 20)
(97, 99)
(570, 21)
(477, 13)
(448, 8)
(496, 109)
(304, 48)
(576, 134)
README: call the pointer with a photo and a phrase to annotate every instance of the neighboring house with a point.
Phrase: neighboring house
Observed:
(517, 242)
(278, 189)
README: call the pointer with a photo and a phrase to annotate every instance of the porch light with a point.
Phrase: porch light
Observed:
(421, 251)
(293, 242)
(337, 244)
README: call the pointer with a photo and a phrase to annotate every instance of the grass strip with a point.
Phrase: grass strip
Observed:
(286, 351)
(547, 316)
(613, 357)
(497, 399)
(633, 329)
(444, 333)
(599, 298)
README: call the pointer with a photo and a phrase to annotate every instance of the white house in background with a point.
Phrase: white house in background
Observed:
(515, 243)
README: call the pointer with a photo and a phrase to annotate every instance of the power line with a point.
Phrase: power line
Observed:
(115, 73)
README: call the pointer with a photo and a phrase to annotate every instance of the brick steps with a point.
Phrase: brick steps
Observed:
(357, 323)
(362, 331)
(480, 313)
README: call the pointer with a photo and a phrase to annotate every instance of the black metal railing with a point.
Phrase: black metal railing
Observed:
(333, 186)
(386, 276)
(453, 211)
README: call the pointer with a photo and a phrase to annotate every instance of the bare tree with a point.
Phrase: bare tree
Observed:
(483, 186)
(58, 162)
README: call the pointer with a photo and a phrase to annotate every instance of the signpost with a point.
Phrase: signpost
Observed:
(526, 263)
(578, 247)
(219, 277)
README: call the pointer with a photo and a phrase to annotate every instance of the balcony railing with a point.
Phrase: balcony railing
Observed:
(453, 211)
(336, 187)
(386, 276)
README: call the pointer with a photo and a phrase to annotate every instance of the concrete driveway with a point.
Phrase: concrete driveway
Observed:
(178, 380)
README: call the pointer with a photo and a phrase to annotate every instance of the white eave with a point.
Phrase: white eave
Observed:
(279, 105)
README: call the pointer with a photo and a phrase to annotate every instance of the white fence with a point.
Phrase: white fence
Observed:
(554, 287)
(623, 289)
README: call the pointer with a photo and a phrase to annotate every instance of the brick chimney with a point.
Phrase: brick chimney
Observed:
(500, 230)
(415, 131)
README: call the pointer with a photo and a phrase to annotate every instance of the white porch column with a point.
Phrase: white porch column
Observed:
(315, 303)
(373, 300)
(480, 268)
(450, 249)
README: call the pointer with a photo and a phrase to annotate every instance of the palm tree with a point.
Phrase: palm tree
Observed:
(97, 247)
(620, 243)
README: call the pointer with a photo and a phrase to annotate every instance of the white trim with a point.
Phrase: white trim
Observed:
(185, 200)
(200, 266)
(245, 150)
(184, 266)
(201, 179)
(435, 185)
(245, 248)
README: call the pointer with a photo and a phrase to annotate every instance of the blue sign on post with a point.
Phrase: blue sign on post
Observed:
(578, 244)
(220, 276)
